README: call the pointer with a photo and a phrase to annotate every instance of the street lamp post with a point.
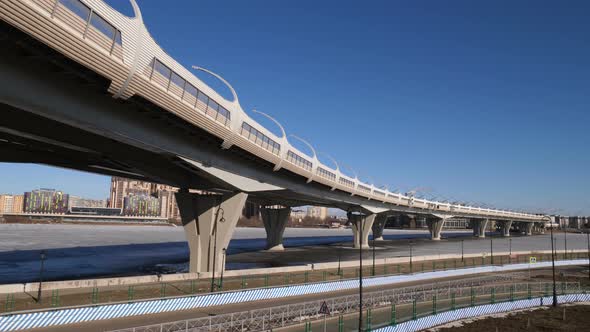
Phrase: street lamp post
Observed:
(565, 243)
(42, 256)
(510, 251)
(339, 259)
(222, 268)
(553, 270)
(411, 269)
(373, 271)
(588, 244)
(462, 252)
(492, 249)
(360, 239)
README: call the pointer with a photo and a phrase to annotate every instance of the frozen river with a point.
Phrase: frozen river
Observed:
(31, 237)
(84, 251)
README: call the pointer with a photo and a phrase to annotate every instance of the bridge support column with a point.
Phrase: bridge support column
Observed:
(479, 227)
(275, 220)
(505, 227)
(379, 226)
(435, 226)
(209, 222)
(528, 226)
(361, 226)
(541, 227)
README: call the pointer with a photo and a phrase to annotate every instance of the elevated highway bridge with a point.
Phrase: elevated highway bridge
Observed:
(86, 87)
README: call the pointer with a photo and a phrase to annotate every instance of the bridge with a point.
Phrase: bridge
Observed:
(88, 88)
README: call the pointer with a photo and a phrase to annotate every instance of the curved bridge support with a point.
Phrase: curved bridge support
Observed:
(528, 227)
(209, 222)
(479, 227)
(379, 226)
(361, 226)
(435, 225)
(275, 220)
(505, 227)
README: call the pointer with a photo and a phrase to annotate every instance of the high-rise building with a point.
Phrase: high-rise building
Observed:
(6, 203)
(137, 198)
(46, 201)
(319, 212)
(18, 203)
(298, 214)
(141, 205)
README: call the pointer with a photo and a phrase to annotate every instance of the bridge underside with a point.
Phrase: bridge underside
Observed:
(58, 113)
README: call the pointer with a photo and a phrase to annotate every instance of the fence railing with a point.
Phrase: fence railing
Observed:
(117, 294)
(438, 296)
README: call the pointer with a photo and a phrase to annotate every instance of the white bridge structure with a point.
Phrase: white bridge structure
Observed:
(86, 87)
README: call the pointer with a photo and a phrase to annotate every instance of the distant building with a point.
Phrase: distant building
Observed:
(251, 210)
(140, 198)
(75, 201)
(46, 201)
(457, 223)
(139, 205)
(6, 203)
(18, 203)
(95, 211)
(318, 212)
(298, 214)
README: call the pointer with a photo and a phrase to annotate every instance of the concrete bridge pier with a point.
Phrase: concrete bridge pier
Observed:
(435, 226)
(379, 226)
(528, 226)
(505, 227)
(209, 222)
(361, 226)
(540, 227)
(479, 227)
(275, 220)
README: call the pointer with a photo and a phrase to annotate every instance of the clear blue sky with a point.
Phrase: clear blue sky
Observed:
(485, 101)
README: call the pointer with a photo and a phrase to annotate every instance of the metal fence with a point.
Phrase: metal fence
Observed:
(166, 290)
(476, 290)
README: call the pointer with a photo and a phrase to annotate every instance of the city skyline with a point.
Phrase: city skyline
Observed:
(514, 90)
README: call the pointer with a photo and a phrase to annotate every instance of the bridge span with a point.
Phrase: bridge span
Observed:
(88, 88)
